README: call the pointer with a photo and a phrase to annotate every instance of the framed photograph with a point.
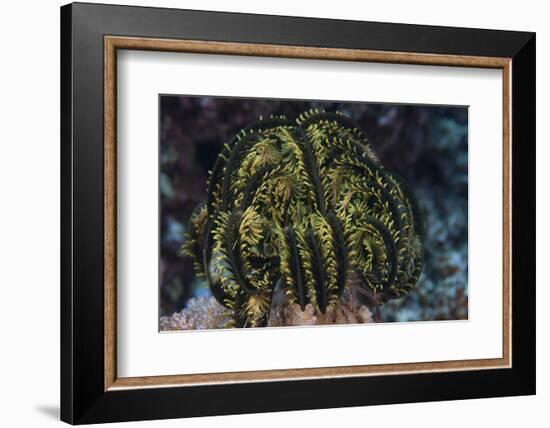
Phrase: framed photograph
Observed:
(265, 213)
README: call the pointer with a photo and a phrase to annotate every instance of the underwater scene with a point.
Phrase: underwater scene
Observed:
(294, 212)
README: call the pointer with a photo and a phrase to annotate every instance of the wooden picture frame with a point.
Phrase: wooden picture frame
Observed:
(91, 391)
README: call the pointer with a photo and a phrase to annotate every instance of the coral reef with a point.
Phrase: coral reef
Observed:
(206, 313)
(425, 144)
(199, 314)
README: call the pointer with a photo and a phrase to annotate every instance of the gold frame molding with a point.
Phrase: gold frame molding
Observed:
(113, 43)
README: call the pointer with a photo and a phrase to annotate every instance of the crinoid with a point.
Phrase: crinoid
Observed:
(306, 207)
